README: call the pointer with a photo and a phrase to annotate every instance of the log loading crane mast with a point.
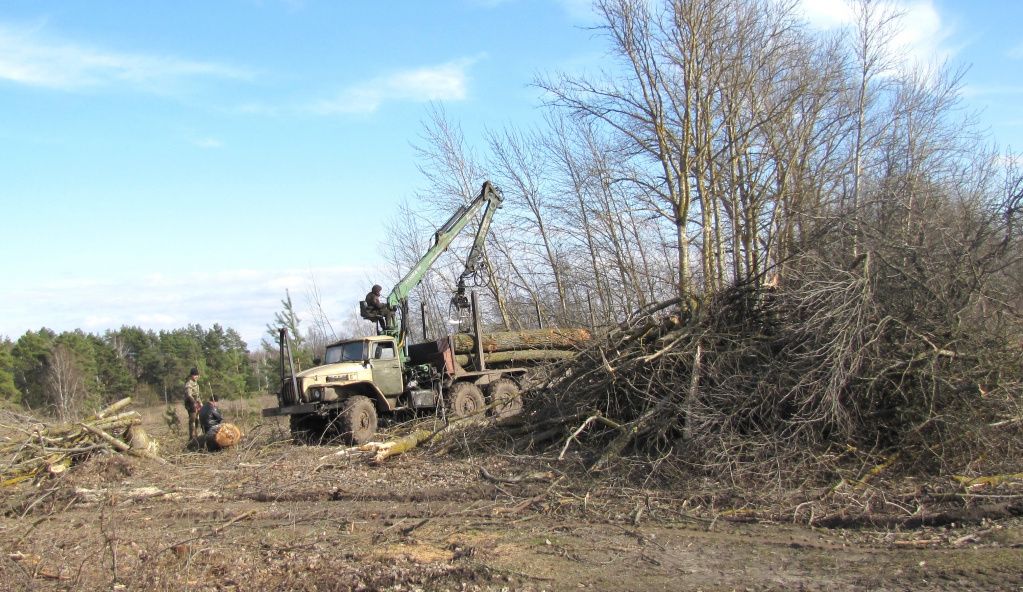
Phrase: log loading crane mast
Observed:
(361, 379)
(488, 200)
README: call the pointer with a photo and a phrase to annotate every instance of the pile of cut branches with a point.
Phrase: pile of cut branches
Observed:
(52, 449)
(818, 381)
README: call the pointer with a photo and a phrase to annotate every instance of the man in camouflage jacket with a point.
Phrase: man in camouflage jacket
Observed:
(193, 402)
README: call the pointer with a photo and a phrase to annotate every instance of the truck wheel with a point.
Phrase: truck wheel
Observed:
(465, 398)
(306, 429)
(505, 398)
(358, 419)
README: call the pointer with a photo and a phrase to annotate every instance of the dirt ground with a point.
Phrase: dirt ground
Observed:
(269, 515)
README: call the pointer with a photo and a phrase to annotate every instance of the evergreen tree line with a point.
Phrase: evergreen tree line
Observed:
(69, 373)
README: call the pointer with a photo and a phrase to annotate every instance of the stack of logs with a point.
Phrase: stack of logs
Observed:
(52, 449)
(517, 347)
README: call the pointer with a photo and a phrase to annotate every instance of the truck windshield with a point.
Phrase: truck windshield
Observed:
(345, 352)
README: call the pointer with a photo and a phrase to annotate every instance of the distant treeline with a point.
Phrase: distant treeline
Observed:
(67, 373)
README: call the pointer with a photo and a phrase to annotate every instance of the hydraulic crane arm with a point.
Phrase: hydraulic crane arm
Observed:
(474, 261)
(488, 200)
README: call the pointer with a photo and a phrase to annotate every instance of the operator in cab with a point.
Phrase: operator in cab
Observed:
(376, 305)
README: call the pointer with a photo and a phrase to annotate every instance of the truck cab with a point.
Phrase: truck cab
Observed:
(370, 366)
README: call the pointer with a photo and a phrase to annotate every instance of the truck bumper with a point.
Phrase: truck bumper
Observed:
(290, 410)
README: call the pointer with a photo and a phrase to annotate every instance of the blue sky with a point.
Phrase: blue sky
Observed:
(166, 163)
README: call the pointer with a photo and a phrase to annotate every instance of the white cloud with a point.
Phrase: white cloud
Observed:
(922, 36)
(154, 320)
(444, 82)
(97, 321)
(827, 14)
(29, 57)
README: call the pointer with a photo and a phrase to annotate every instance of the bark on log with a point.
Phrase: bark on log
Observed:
(533, 339)
(141, 443)
(527, 355)
(113, 408)
(400, 445)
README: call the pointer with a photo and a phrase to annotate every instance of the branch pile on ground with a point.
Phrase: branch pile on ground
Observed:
(823, 380)
(52, 449)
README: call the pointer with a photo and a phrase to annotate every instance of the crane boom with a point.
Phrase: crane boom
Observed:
(488, 200)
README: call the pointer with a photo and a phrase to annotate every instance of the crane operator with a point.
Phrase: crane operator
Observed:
(378, 306)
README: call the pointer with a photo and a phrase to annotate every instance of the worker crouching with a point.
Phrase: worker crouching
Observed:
(217, 434)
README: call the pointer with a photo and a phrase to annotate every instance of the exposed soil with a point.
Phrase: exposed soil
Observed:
(269, 515)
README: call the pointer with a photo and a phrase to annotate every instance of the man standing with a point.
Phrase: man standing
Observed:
(192, 402)
(378, 306)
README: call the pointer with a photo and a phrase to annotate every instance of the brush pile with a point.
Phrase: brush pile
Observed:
(52, 449)
(826, 380)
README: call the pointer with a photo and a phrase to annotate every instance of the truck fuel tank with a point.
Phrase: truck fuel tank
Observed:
(422, 398)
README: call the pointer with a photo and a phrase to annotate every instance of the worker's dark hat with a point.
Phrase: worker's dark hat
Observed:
(377, 287)
(193, 372)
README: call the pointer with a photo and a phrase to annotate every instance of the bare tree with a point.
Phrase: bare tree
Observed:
(454, 177)
(65, 386)
(876, 23)
(520, 168)
(638, 112)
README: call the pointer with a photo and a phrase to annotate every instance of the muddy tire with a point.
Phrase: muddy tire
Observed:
(307, 429)
(358, 420)
(465, 398)
(505, 398)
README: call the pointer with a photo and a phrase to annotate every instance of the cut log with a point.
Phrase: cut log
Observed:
(141, 443)
(114, 408)
(227, 435)
(526, 355)
(105, 437)
(533, 339)
(401, 445)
